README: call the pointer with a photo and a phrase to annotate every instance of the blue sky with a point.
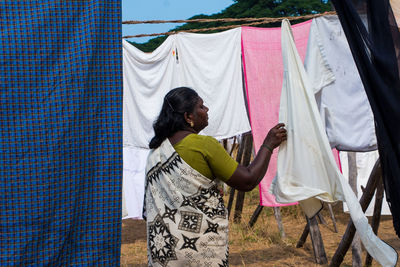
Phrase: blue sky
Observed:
(164, 10)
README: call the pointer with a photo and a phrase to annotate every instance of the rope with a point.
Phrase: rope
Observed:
(257, 21)
(222, 20)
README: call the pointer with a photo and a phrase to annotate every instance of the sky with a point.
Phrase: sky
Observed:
(164, 10)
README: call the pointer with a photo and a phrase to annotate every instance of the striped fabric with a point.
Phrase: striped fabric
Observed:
(60, 132)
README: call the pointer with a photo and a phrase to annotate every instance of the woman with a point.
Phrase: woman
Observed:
(187, 223)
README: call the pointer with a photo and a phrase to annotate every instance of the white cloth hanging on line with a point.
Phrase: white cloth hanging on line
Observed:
(342, 101)
(365, 162)
(134, 164)
(208, 63)
(307, 171)
(147, 77)
(212, 65)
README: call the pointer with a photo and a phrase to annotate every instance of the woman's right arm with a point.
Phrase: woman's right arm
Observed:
(246, 178)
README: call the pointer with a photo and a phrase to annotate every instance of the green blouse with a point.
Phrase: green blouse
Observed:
(207, 156)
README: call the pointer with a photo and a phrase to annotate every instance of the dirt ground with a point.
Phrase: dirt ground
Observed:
(262, 244)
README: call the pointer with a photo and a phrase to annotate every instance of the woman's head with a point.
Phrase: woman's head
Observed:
(182, 109)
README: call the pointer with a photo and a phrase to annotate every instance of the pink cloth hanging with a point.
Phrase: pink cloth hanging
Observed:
(263, 71)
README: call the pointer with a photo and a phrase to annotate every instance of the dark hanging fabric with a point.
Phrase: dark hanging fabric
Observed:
(375, 49)
(60, 132)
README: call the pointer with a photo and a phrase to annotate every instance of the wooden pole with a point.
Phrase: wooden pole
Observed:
(317, 243)
(230, 202)
(233, 146)
(304, 235)
(366, 198)
(255, 215)
(321, 219)
(278, 218)
(239, 156)
(376, 218)
(332, 217)
(248, 142)
(356, 244)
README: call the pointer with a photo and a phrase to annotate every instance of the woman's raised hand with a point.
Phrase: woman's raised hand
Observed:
(275, 136)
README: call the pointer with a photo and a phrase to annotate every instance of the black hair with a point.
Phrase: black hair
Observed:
(171, 118)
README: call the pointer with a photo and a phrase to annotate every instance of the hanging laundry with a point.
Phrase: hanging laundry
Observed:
(375, 50)
(147, 78)
(208, 63)
(211, 64)
(342, 102)
(133, 181)
(263, 70)
(365, 162)
(306, 166)
(60, 128)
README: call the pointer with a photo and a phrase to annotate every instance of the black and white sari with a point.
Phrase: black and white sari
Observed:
(187, 222)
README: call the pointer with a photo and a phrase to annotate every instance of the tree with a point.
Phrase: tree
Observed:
(248, 9)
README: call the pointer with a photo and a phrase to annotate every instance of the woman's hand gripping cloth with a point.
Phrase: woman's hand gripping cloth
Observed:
(263, 71)
(306, 167)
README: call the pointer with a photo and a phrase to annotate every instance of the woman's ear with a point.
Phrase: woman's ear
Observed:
(188, 117)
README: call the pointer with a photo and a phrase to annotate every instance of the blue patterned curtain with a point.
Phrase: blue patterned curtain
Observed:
(60, 132)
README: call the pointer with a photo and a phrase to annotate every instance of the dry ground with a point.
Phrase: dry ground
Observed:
(262, 245)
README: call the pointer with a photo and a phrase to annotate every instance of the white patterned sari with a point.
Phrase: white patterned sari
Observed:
(187, 222)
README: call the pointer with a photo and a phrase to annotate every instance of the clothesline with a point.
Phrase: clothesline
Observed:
(256, 21)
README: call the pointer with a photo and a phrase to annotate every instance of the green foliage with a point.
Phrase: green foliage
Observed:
(249, 9)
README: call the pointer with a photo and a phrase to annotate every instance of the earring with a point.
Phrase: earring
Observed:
(191, 124)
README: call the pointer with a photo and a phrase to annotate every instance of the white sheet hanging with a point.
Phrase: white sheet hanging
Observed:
(147, 77)
(365, 162)
(134, 164)
(208, 63)
(211, 64)
(306, 167)
(342, 102)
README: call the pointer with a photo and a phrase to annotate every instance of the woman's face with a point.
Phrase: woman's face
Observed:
(200, 116)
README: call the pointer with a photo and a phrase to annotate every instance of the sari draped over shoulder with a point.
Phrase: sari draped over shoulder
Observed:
(187, 222)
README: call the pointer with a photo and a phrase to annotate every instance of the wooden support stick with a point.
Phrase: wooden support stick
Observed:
(376, 218)
(233, 146)
(248, 145)
(321, 219)
(317, 243)
(278, 218)
(332, 217)
(237, 217)
(225, 143)
(356, 244)
(366, 198)
(230, 202)
(255, 215)
(239, 156)
(304, 235)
